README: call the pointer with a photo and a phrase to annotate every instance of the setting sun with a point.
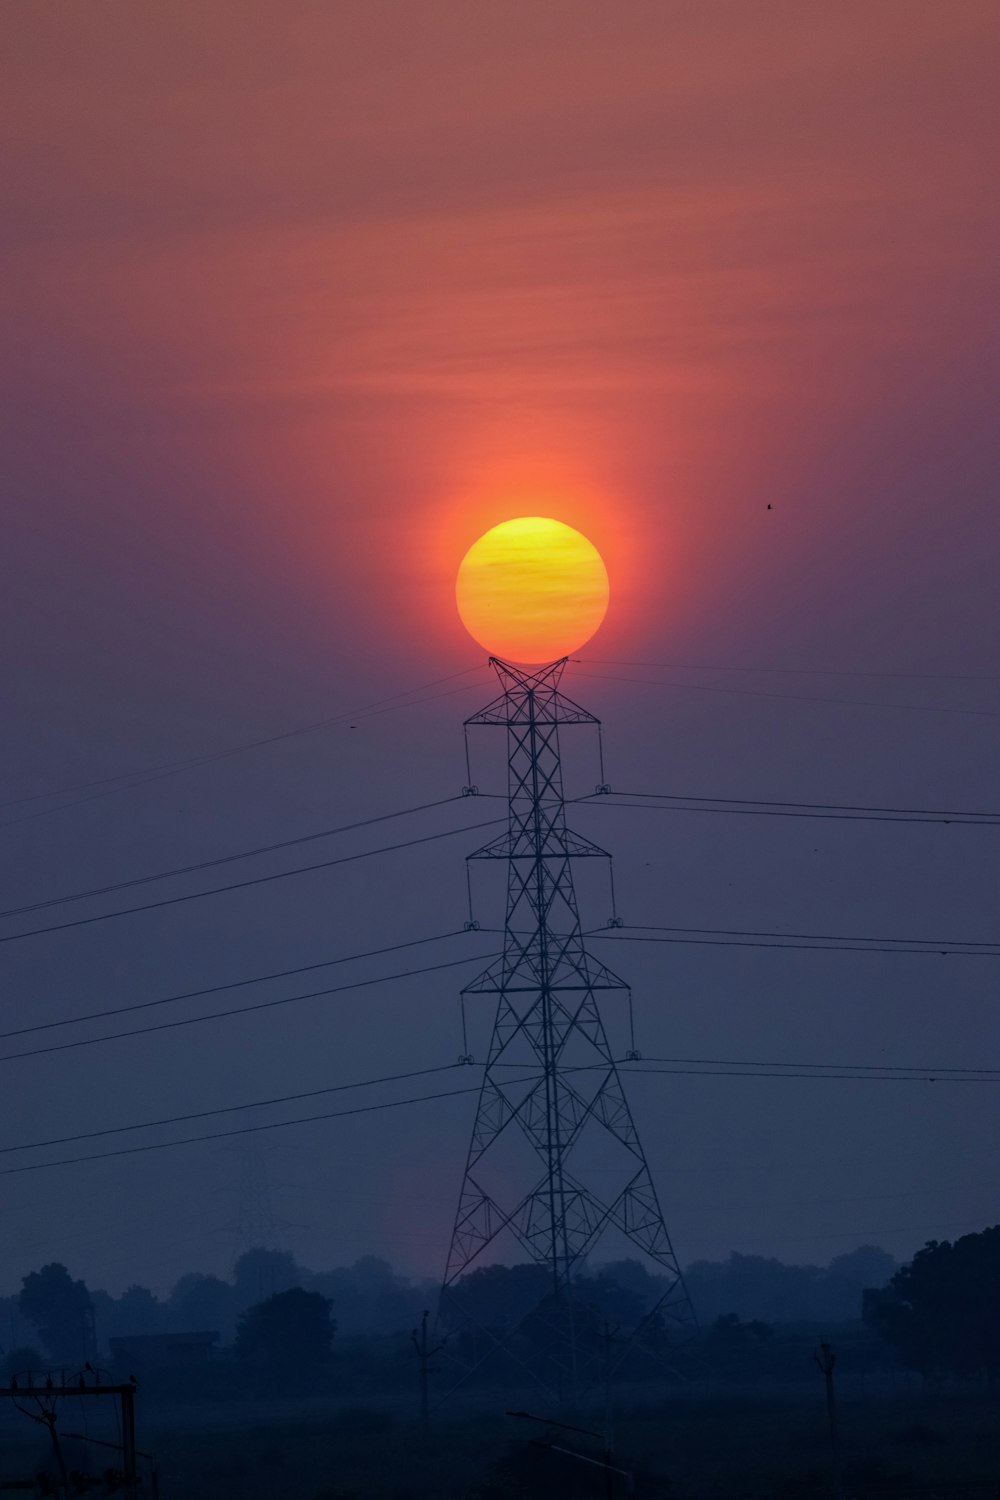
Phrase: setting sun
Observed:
(532, 590)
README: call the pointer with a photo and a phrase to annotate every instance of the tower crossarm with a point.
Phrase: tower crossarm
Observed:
(531, 695)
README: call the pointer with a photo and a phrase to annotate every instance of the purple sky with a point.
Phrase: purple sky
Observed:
(297, 301)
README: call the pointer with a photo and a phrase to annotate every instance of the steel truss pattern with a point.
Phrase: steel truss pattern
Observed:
(554, 1161)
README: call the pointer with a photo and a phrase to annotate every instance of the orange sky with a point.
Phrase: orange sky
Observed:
(389, 274)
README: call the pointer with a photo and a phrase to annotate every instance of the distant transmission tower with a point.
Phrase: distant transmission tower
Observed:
(555, 1161)
(256, 1226)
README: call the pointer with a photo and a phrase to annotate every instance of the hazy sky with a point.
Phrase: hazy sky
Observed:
(297, 300)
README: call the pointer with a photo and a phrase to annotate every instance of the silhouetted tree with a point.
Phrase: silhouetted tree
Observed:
(619, 1304)
(498, 1296)
(754, 1286)
(849, 1276)
(287, 1334)
(262, 1273)
(15, 1327)
(371, 1297)
(58, 1307)
(517, 1303)
(942, 1312)
(202, 1302)
(635, 1277)
(135, 1311)
(18, 1361)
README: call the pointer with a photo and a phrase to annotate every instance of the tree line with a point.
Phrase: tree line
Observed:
(939, 1314)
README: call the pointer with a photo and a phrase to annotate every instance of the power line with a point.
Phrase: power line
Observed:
(900, 813)
(225, 859)
(256, 1104)
(241, 1010)
(875, 1071)
(233, 984)
(595, 799)
(669, 666)
(704, 687)
(422, 1099)
(144, 779)
(240, 885)
(228, 1109)
(213, 755)
(622, 935)
(763, 812)
(874, 1068)
(219, 1135)
(815, 1077)
(953, 947)
(632, 933)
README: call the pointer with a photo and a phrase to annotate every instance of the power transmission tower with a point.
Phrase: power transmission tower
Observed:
(256, 1226)
(257, 1232)
(555, 1161)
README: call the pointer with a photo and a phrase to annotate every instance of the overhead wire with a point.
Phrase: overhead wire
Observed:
(825, 1077)
(669, 666)
(87, 1135)
(824, 942)
(240, 885)
(271, 739)
(232, 984)
(705, 687)
(229, 1109)
(832, 937)
(719, 1067)
(241, 1010)
(655, 804)
(901, 814)
(866, 1072)
(426, 1098)
(941, 1071)
(226, 859)
(125, 779)
(128, 780)
(622, 935)
(219, 1135)
(874, 1068)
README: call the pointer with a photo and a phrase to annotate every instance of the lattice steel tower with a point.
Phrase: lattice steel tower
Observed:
(555, 1160)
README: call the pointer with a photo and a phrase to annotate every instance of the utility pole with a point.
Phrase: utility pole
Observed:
(608, 1338)
(826, 1359)
(37, 1396)
(425, 1354)
(126, 1394)
(551, 1080)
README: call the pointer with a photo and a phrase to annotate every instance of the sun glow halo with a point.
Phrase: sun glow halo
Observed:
(532, 590)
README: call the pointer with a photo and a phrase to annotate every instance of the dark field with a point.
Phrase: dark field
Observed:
(906, 1445)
